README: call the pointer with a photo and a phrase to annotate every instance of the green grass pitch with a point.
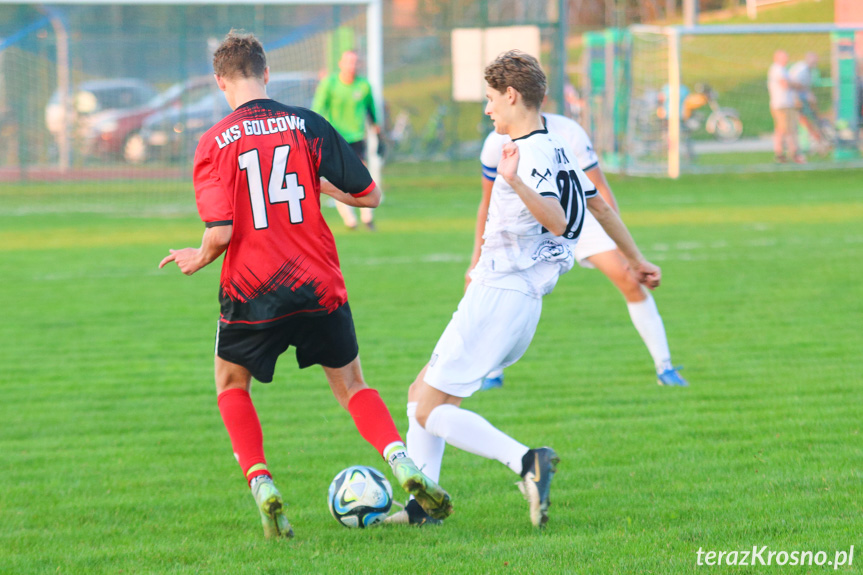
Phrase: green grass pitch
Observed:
(115, 460)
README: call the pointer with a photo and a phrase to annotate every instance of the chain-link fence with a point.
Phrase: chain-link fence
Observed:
(103, 93)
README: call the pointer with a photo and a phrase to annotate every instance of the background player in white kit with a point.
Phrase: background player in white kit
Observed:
(538, 195)
(595, 249)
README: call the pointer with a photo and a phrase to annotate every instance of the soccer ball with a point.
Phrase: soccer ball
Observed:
(360, 496)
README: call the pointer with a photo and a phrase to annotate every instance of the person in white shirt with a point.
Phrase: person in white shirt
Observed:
(783, 110)
(537, 209)
(593, 250)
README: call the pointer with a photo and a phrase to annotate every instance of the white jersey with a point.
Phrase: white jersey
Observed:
(517, 252)
(781, 95)
(593, 239)
(569, 130)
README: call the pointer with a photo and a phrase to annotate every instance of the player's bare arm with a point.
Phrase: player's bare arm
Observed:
(370, 200)
(547, 211)
(645, 272)
(597, 176)
(481, 217)
(213, 244)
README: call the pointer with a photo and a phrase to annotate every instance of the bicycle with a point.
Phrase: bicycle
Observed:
(722, 123)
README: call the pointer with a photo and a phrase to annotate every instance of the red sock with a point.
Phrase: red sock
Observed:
(244, 428)
(373, 419)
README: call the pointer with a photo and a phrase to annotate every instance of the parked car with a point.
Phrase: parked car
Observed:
(174, 133)
(94, 97)
(112, 133)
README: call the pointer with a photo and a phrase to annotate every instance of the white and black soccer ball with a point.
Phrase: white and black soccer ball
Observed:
(360, 496)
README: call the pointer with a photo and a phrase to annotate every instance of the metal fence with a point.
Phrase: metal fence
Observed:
(140, 90)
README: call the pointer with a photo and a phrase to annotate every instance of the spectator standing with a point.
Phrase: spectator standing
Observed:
(783, 110)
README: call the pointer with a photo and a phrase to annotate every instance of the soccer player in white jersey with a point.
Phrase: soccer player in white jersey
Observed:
(538, 196)
(595, 249)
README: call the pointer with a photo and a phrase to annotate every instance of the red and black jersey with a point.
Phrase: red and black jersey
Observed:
(259, 169)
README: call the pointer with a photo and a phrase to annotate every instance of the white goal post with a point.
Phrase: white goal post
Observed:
(668, 100)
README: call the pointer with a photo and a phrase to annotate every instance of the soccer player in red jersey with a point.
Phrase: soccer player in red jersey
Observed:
(257, 185)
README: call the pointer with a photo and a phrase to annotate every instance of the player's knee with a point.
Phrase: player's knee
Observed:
(624, 280)
(355, 385)
(229, 379)
(423, 415)
(414, 391)
(424, 409)
(225, 383)
(345, 395)
(426, 406)
(631, 289)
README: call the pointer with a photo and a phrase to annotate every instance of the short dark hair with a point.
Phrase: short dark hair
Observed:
(522, 72)
(240, 54)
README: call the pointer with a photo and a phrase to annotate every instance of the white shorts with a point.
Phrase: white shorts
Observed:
(593, 240)
(491, 329)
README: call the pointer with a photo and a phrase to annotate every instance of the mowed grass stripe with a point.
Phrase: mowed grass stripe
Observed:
(179, 231)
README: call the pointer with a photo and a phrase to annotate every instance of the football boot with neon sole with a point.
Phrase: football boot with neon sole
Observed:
(671, 377)
(535, 484)
(272, 509)
(431, 497)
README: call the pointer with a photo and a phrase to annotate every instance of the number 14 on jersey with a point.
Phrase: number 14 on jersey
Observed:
(282, 187)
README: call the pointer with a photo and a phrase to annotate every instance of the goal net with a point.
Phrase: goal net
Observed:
(697, 99)
(111, 99)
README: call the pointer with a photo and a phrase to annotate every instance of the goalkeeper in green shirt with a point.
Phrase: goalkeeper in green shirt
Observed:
(345, 99)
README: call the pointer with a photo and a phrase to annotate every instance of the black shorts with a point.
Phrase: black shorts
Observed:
(359, 148)
(328, 340)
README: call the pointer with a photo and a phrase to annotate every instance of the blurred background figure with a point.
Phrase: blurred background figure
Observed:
(802, 75)
(574, 102)
(345, 99)
(783, 110)
(663, 100)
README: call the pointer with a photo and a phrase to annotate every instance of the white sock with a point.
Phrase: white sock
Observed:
(394, 451)
(649, 325)
(425, 449)
(257, 479)
(472, 433)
